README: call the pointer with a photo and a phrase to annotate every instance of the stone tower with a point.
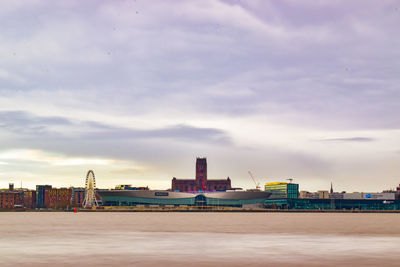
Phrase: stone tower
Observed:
(201, 173)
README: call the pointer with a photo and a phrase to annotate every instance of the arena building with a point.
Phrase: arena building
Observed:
(168, 198)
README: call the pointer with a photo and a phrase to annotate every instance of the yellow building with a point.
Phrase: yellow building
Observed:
(282, 190)
(322, 194)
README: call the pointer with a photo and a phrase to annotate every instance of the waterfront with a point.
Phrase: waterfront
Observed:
(195, 239)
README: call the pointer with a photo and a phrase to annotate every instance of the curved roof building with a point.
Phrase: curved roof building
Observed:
(163, 197)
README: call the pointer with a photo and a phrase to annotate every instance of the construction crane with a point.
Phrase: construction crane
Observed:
(257, 184)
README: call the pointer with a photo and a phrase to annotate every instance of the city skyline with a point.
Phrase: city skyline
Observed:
(136, 91)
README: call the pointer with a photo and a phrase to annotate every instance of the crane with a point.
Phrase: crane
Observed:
(257, 184)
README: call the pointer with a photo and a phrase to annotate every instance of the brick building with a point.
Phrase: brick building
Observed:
(58, 198)
(25, 198)
(201, 183)
(7, 199)
(29, 198)
(78, 196)
(17, 198)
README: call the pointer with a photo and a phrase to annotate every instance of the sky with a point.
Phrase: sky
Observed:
(136, 90)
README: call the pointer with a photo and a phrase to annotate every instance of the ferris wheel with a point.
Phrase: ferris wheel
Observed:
(90, 195)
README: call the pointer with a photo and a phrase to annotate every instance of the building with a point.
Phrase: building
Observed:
(162, 198)
(306, 194)
(7, 199)
(26, 198)
(323, 200)
(20, 198)
(336, 195)
(78, 196)
(370, 196)
(201, 183)
(323, 194)
(58, 198)
(282, 190)
(40, 189)
(333, 204)
(130, 187)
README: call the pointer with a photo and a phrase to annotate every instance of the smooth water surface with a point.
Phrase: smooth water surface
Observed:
(193, 239)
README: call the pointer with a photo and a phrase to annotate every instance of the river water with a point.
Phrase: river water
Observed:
(199, 239)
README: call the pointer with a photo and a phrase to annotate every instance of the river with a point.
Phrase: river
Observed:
(199, 239)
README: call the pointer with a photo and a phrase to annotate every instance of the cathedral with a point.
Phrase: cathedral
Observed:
(201, 183)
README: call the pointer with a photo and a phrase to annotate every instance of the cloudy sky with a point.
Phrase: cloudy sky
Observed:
(135, 90)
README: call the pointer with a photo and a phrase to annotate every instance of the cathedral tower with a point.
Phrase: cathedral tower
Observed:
(201, 173)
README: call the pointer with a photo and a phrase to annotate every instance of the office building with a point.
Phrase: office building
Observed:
(282, 190)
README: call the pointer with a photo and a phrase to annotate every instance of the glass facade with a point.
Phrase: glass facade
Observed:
(40, 189)
(199, 200)
(282, 190)
(332, 204)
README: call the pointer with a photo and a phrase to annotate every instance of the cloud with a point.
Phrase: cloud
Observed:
(218, 57)
(89, 138)
(20, 122)
(180, 132)
(349, 139)
(25, 155)
(161, 81)
(129, 171)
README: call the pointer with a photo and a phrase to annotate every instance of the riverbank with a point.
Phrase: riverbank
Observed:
(201, 209)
